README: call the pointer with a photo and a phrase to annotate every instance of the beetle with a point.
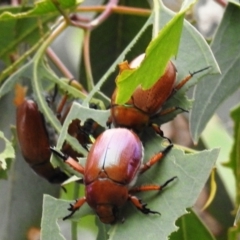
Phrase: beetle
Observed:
(112, 167)
(34, 139)
(145, 105)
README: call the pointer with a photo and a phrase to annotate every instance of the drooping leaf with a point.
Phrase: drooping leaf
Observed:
(211, 92)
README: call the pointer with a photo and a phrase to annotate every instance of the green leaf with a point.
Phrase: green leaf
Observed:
(164, 45)
(17, 31)
(191, 227)
(53, 212)
(40, 8)
(234, 164)
(211, 92)
(234, 161)
(233, 233)
(215, 135)
(7, 154)
(234, 2)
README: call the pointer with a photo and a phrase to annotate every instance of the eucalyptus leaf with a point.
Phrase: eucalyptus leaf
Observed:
(213, 90)
(53, 212)
(170, 202)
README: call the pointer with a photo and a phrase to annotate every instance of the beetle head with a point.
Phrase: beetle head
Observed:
(107, 213)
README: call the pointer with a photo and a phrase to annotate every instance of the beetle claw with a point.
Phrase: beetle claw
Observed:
(68, 216)
(146, 210)
(71, 208)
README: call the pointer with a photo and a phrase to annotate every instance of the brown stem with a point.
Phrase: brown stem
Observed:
(97, 21)
(59, 64)
(87, 62)
(117, 9)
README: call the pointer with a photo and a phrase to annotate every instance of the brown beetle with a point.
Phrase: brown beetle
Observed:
(34, 139)
(113, 164)
(145, 105)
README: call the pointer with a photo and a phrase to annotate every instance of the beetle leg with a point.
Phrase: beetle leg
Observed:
(158, 130)
(152, 187)
(187, 78)
(75, 207)
(156, 158)
(109, 122)
(70, 161)
(140, 206)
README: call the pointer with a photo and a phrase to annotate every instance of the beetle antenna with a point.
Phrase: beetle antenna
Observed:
(59, 154)
(146, 210)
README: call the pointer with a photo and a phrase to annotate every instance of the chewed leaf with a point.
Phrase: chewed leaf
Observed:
(7, 153)
(153, 66)
(53, 212)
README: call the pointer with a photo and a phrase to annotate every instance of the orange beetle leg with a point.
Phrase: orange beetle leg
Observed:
(151, 187)
(140, 206)
(156, 158)
(75, 207)
(187, 78)
(70, 161)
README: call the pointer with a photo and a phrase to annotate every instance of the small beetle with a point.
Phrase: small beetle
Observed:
(113, 164)
(34, 141)
(145, 105)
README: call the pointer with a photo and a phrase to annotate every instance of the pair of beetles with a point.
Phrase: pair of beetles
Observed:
(115, 159)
